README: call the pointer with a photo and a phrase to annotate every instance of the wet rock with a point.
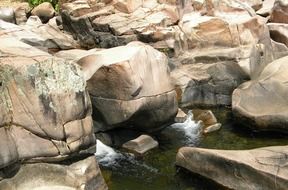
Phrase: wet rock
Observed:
(212, 128)
(130, 86)
(141, 145)
(262, 102)
(7, 14)
(21, 12)
(262, 168)
(280, 12)
(84, 174)
(45, 110)
(206, 116)
(44, 11)
(181, 116)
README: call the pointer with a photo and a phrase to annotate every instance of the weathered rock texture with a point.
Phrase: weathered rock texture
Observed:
(263, 101)
(279, 12)
(84, 174)
(263, 168)
(218, 46)
(45, 111)
(43, 36)
(130, 85)
(141, 144)
(104, 25)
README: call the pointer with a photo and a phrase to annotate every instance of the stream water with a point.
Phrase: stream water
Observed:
(156, 169)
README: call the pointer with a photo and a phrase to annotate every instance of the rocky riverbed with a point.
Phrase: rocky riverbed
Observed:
(154, 85)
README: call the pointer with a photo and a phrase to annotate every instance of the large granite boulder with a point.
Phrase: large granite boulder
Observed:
(84, 174)
(263, 102)
(130, 85)
(45, 110)
(262, 168)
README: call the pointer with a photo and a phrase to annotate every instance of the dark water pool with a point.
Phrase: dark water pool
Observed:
(156, 170)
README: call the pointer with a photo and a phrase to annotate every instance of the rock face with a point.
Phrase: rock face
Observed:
(218, 46)
(263, 168)
(45, 111)
(263, 101)
(130, 85)
(141, 145)
(84, 174)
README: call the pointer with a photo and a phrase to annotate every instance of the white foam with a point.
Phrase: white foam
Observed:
(190, 127)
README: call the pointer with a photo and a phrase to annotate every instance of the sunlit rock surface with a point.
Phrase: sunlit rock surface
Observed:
(130, 86)
(84, 174)
(262, 168)
(45, 108)
(262, 102)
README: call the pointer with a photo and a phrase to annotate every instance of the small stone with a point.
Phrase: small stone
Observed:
(141, 144)
(212, 128)
(207, 117)
(181, 116)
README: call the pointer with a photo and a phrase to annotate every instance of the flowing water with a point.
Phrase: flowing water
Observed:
(156, 169)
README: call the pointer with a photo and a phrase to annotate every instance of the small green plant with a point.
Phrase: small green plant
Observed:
(54, 3)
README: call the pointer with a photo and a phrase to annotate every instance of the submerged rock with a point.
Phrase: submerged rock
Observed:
(212, 128)
(84, 174)
(130, 86)
(141, 145)
(262, 102)
(262, 168)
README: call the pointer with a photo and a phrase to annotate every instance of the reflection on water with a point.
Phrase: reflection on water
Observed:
(156, 170)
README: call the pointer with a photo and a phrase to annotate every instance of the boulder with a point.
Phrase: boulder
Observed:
(262, 168)
(84, 174)
(130, 85)
(127, 6)
(207, 84)
(206, 116)
(279, 12)
(218, 46)
(141, 145)
(267, 7)
(21, 12)
(44, 11)
(7, 14)
(180, 117)
(212, 128)
(45, 110)
(262, 102)
(279, 32)
(43, 36)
